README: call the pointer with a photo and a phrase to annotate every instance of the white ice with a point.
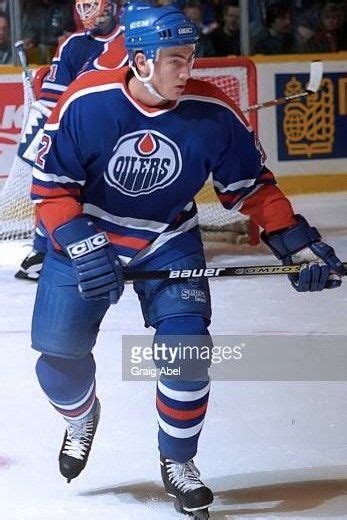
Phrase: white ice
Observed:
(268, 449)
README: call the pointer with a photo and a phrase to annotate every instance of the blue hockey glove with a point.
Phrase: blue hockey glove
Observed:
(301, 244)
(97, 266)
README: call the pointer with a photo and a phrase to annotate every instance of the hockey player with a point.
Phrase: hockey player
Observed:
(119, 164)
(101, 22)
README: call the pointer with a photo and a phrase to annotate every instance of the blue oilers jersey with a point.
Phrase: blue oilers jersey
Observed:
(70, 60)
(135, 170)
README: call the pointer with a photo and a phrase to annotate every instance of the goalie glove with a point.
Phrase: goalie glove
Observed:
(301, 244)
(97, 267)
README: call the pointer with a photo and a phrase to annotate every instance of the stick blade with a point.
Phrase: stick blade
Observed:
(316, 74)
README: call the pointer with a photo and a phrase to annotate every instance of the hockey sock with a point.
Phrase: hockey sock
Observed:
(68, 383)
(181, 405)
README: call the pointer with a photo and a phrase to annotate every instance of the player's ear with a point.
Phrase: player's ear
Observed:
(141, 64)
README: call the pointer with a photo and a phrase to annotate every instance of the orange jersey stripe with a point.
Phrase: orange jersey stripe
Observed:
(50, 95)
(132, 242)
(115, 54)
(54, 192)
(55, 212)
(269, 208)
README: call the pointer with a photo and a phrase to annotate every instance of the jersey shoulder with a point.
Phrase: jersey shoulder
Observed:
(114, 54)
(206, 91)
(90, 82)
(74, 41)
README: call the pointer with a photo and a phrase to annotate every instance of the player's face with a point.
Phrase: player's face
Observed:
(172, 71)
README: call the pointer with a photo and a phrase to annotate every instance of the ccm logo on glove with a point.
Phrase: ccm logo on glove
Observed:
(87, 245)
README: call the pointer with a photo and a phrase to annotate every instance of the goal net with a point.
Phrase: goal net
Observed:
(237, 78)
(16, 209)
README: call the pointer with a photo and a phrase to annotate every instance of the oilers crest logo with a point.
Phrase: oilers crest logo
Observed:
(143, 162)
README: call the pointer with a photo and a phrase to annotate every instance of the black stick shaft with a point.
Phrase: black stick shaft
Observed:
(214, 272)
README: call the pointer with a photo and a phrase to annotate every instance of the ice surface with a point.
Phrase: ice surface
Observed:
(268, 449)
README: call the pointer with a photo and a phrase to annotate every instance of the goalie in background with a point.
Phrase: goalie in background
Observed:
(100, 19)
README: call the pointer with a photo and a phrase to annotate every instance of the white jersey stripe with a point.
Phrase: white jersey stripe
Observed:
(179, 395)
(246, 183)
(134, 223)
(166, 236)
(53, 86)
(50, 104)
(179, 433)
(58, 179)
(125, 260)
(78, 404)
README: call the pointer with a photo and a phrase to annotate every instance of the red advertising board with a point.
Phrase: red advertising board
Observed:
(11, 115)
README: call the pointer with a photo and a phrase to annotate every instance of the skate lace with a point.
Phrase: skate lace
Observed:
(78, 438)
(184, 476)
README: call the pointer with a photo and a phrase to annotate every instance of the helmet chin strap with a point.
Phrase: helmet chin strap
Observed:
(146, 80)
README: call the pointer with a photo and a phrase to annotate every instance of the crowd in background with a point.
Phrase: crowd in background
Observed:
(277, 26)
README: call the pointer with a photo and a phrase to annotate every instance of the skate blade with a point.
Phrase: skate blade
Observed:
(195, 514)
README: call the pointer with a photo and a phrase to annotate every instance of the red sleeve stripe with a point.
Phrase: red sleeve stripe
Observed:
(54, 192)
(126, 241)
(50, 96)
(183, 415)
(224, 197)
(55, 212)
(266, 176)
(269, 208)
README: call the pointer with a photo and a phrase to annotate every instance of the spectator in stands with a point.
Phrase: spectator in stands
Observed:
(330, 36)
(304, 33)
(226, 40)
(204, 47)
(5, 7)
(277, 37)
(310, 14)
(43, 22)
(5, 43)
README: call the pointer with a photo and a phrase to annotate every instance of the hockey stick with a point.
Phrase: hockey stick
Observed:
(316, 74)
(19, 46)
(45, 111)
(215, 272)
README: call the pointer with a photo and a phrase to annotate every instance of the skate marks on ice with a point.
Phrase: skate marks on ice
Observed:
(5, 462)
(292, 494)
(307, 492)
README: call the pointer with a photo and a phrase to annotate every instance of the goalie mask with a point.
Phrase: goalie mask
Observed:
(96, 14)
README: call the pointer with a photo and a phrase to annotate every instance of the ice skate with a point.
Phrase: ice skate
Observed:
(31, 266)
(182, 482)
(77, 442)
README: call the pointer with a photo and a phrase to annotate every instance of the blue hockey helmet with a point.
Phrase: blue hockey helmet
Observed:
(148, 29)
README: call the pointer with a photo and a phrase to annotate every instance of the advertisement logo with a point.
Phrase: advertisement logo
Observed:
(11, 114)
